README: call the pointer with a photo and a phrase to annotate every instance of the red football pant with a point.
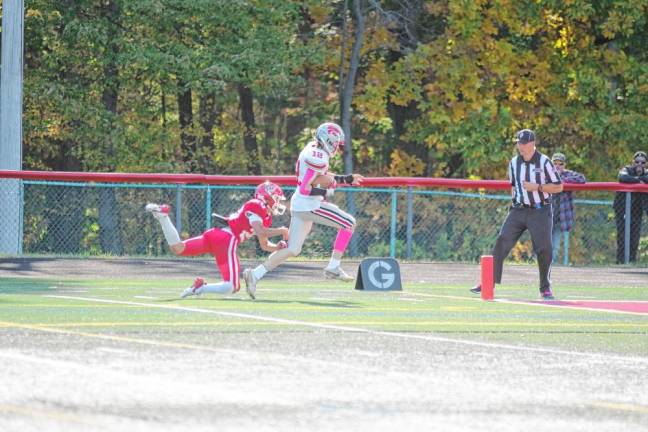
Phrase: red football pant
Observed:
(223, 245)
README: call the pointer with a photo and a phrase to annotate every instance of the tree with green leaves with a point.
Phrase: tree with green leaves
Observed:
(422, 87)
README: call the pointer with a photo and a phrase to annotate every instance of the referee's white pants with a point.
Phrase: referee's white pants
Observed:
(301, 223)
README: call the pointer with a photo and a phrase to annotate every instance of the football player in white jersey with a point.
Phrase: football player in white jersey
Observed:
(308, 206)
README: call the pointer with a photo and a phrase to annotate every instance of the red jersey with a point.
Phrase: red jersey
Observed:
(239, 222)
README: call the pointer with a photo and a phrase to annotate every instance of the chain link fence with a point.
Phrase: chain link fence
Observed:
(98, 219)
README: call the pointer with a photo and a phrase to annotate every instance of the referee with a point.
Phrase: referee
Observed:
(533, 179)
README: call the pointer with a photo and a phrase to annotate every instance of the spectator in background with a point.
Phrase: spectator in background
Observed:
(563, 205)
(635, 173)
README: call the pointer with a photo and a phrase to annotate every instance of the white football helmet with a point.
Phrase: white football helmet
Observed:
(330, 136)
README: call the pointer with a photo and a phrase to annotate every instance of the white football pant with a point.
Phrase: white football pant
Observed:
(301, 223)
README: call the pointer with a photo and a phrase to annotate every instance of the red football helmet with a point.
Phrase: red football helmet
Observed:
(330, 136)
(272, 195)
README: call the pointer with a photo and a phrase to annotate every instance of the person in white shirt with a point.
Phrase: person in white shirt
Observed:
(308, 205)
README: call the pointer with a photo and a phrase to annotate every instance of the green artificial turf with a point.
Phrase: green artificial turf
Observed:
(443, 311)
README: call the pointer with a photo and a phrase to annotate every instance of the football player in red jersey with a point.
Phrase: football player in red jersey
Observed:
(308, 206)
(253, 218)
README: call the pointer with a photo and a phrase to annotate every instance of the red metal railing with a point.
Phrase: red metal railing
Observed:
(290, 180)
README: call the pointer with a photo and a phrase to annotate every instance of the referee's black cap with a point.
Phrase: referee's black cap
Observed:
(524, 136)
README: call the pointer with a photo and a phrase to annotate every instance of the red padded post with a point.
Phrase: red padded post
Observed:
(487, 282)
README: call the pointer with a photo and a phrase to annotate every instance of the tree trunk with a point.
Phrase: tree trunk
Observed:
(246, 104)
(64, 158)
(185, 115)
(400, 115)
(62, 219)
(109, 223)
(348, 85)
(296, 122)
(208, 113)
(270, 120)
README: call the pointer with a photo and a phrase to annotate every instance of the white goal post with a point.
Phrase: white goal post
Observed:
(11, 90)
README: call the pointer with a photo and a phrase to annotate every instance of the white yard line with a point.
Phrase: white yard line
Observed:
(409, 299)
(363, 330)
(574, 308)
(474, 298)
(542, 304)
(281, 358)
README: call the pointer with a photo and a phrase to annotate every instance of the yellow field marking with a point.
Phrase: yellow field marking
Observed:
(284, 358)
(414, 322)
(42, 413)
(115, 338)
(53, 306)
(121, 324)
(435, 325)
(474, 298)
(347, 328)
(332, 308)
(490, 324)
(458, 308)
(621, 407)
(224, 306)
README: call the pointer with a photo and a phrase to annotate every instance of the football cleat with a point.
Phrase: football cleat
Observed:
(195, 289)
(250, 283)
(547, 295)
(158, 210)
(337, 273)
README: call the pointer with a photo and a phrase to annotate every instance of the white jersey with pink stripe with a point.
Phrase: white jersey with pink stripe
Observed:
(312, 158)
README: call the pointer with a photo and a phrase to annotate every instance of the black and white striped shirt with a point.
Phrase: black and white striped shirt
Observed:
(539, 170)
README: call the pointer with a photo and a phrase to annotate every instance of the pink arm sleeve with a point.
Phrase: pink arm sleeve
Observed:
(305, 185)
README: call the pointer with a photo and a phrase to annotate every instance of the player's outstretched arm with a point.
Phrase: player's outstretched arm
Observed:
(268, 246)
(261, 231)
(357, 179)
(350, 179)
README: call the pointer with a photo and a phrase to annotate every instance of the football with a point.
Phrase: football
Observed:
(323, 181)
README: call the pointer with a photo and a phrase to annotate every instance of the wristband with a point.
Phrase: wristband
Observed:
(318, 192)
(344, 179)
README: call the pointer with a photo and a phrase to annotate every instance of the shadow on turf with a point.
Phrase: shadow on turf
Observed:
(21, 264)
(331, 304)
(24, 286)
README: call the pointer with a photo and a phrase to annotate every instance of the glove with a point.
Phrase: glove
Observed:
(330, 192)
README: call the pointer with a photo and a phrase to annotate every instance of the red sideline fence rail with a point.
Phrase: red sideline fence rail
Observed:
(291, 181)
(403, 217)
